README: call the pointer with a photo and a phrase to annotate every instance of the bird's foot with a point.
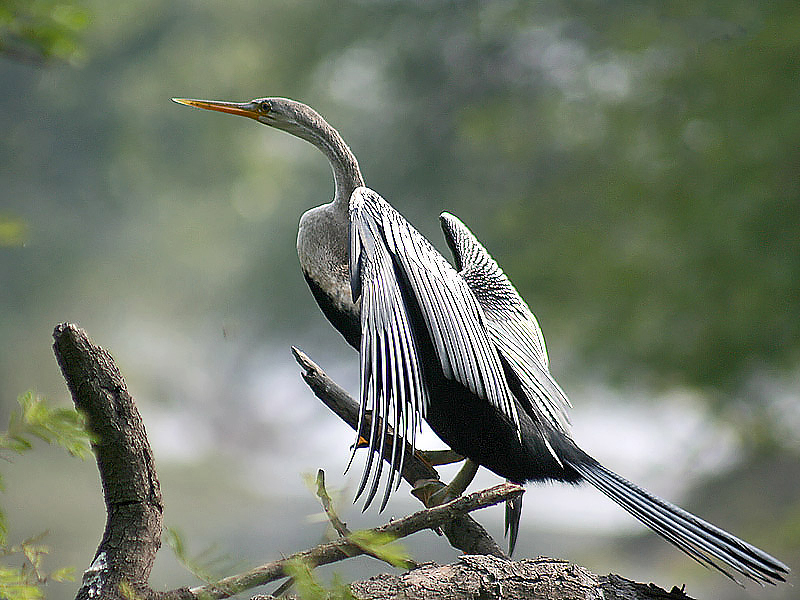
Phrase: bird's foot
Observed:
(426, 489)
(361, 442)
(435, 458)
(459, 484)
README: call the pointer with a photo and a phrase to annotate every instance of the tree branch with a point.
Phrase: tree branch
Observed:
(343, 548)
(490, 578)
(130, 486)
(464, 532)
(327, 505)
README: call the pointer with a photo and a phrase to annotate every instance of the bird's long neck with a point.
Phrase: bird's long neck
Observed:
(322, 239)
(346, 173)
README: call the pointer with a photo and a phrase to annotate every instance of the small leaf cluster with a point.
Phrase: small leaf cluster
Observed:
(209, 565)
(379, 545)
(24, 583)
(309, 587)
(35, 419)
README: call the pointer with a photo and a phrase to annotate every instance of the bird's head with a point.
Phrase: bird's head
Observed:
(302, 121)
(289, 115)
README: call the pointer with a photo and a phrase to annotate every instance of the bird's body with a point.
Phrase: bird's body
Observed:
(456, 346)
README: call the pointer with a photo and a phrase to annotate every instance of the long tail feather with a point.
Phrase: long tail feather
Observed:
(701, 540)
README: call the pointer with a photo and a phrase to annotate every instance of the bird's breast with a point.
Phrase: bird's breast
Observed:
(322, 246)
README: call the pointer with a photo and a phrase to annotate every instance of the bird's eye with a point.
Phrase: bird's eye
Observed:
(265, 107)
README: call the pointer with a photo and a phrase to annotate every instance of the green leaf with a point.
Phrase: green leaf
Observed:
(33, 418)
(173, 538)
(126, 591)
(15, 584)
(13, 231)
(380, 545)
(3, 529)
(63, 574)
(309, 588)
(340, 590)
(33, 555)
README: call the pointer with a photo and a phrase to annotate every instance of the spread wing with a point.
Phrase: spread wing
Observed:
(401, 278)
(511, 325)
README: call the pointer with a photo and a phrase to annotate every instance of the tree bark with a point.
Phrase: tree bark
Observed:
(489, 578)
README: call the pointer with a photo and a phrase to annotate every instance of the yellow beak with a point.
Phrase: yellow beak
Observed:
(244, 109)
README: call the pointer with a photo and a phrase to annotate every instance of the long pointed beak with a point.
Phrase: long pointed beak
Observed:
(244, 109)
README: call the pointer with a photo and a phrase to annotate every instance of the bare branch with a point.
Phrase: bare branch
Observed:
(327, 505)
(343, 548)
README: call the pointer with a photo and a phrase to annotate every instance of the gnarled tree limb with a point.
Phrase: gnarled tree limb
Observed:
(343, 548)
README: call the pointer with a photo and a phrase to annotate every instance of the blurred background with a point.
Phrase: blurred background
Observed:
(633, 167)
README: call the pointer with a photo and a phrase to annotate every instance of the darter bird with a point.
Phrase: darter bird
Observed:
(456, 346)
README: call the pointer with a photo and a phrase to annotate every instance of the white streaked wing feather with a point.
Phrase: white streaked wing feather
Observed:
(391, 382)
(381, 242)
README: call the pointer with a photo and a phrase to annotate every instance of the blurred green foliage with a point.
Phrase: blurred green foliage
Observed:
(12, 231)
(41, 30)
(34, 418)
(26, 582)
(209, 565)
(632, 167)
(380, 545)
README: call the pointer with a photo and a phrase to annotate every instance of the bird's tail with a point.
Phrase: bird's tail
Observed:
(513, 515)
(706, 543)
